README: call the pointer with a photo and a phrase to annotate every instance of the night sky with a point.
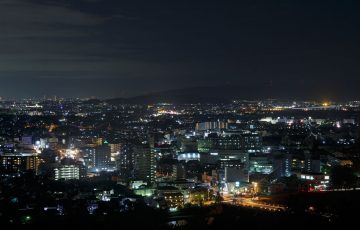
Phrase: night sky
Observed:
(115, 48)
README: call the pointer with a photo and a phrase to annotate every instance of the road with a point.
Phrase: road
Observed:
(249, 202)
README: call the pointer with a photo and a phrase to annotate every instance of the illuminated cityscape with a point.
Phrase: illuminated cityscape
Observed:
(179, 114)
(249, 155)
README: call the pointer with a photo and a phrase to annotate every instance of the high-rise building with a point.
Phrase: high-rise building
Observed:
(312, 163)
(145, 163)
(126, 162)
(102, 157)
(282, 165)
(82, 169)
(88, 154)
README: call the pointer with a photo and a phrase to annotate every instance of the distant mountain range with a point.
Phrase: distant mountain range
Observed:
(224, 94)
(187, 95)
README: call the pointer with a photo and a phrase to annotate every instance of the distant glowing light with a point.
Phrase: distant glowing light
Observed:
(173, 209)
(166, 112)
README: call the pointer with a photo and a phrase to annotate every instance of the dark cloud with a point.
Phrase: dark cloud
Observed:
(111, 48)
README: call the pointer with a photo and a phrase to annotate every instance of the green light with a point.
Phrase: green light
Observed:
(25, 219)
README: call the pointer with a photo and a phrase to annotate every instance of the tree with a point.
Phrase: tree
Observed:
(343, 177)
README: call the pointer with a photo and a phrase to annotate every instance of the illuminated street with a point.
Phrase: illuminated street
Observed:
(250, 202)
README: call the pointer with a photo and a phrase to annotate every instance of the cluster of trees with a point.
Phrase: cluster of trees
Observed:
(344, 177)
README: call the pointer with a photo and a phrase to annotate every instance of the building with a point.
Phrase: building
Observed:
(88, 154)
(115, 147)
(248, 142)
(188, 156)
(234, 142)
(188, 144)
(19, 162)
(298, 163)
(211, 125)
(102, 157)
(252, 142)
(97, 141)
(233, 155)
(199, 195)
(53, 143)
(67, 172)
(315, 181)
(178, 171)
(145, 164)
(231, 164)
(172, 195)
(82, 169)
(205, 145)
(312, 163)
(126, 161)
(235, 174)
(282, 165)
(260, 164)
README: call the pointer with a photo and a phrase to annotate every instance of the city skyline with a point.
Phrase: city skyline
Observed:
(112, 49)
(177, 166)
